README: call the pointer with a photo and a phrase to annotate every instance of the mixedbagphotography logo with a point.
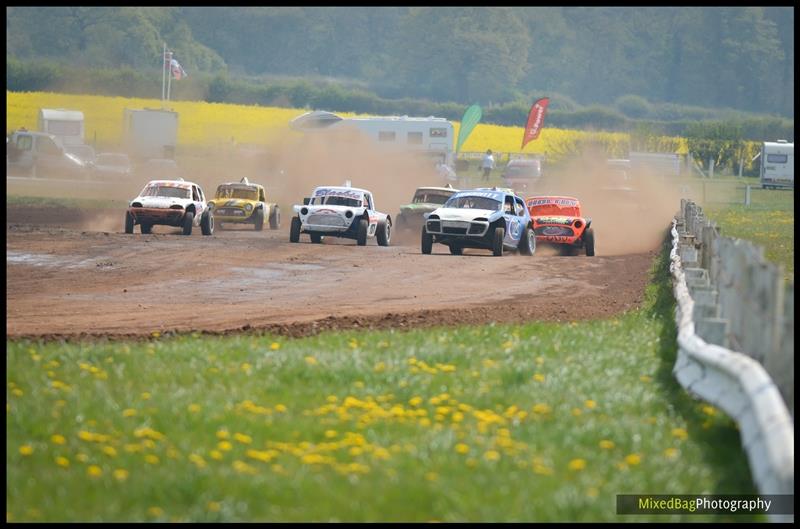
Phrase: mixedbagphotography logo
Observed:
(705, 504)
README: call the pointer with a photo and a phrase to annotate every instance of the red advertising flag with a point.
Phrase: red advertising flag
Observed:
(535, 120)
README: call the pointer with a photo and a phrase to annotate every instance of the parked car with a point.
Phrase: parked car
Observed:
(170, 203)
(425, 200)
(558, 221)
(112, 165)
(345, 211)
(489, 218)
(244, 203)
(85, 153)
(41, 155)
(522, 174)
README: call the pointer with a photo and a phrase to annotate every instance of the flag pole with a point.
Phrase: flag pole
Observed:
(163, 71)
(169, 76)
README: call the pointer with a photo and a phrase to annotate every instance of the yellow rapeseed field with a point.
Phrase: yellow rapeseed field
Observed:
(207, 124)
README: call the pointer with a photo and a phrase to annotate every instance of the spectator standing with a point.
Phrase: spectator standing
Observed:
(488, 164)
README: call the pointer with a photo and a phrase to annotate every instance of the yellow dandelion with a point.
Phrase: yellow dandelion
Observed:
(110, 451)
(151, 459)
(243, 438)
(215, 454)
(155, 512)
(355, 451)
(223, 434)
(431, 476)
(590, 404)
(680, 433)
(542, 470)
(592, 492)
(359, 384)
(194, 408)
(380, 367)
(26, 450)
(120, 474)
(94, 471)
(58, 439)
(130, 412)
(491, 455)
(146, 396)
(577, 464)
(214, 506)
(83, 458)
(538, 377)
(576, 412)
(17, 392)
(224, 446)
(646, 378)
(275, 346)
(310, 360)
(633, 459)
(330, 434)
(605, 444)
(280, 408)
(709, 410)
(62, 461)
(541, 409)
(671, 453)
(415, 401)
(462, 448)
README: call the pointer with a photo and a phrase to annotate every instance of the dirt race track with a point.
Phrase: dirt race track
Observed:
(66, 278)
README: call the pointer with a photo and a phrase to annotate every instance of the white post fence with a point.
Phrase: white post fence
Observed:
(735, 322)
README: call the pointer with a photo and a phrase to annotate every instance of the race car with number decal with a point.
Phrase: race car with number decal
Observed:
(340, 211)
(244, 203)
(171, 203)
(558, 220)
(492, 219)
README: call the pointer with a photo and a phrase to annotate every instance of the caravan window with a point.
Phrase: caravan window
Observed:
(415, 138)
(385, 135)
(439, 133)
(777, 158)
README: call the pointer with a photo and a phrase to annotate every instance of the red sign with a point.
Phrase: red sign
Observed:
(535, 120)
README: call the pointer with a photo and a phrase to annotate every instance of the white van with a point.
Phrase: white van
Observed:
(777, 164)
(66, 125)
(432, 137)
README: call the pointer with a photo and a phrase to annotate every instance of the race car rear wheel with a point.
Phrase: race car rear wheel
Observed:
(497, 242)
(316, 238)
(384, 232)
(207, 223)
(259, 219)
(427, 242)
(456, 249)
(129, 222)
(588, 242)
(294, 232)
(363, 226)
(146, 228)
(527, 243)
(188, 222)
(275, 218)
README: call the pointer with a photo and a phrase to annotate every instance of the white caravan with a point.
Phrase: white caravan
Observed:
(66, 125)
(777, 164)
(430, 136)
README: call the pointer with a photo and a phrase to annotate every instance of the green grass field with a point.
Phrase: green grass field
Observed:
(535, 422)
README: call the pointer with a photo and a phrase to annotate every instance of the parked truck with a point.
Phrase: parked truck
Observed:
(66, 125)
(150, 133)
(777, 164)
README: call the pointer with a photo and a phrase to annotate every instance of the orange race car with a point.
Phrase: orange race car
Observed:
(558, 221)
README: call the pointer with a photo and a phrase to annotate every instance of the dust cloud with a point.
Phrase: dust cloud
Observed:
(629, 210)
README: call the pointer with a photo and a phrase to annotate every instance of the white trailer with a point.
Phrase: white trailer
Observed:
(777, 164)
(430, 136)
(66, 125)
(150, 133)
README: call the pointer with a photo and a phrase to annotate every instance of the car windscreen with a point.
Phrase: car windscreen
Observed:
(334, 200)
(166, 191)
(237, 192)
(430, 198)
(473, 202)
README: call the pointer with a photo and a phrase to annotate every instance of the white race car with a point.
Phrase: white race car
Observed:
(345, 211)
(171, 203)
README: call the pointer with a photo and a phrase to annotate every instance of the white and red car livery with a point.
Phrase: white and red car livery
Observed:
(171, 203)
(340, 211)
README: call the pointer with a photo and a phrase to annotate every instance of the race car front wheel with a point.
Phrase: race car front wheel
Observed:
(527, 243)
(384, 232)
(259, 222)
(188, 222)
(497, 242)
(275, 218)
(427, 242)
(207, 223)
(129, 222)
(363, 226)
(456, 249)
(294, 232)
(316, 238)
(588, 242)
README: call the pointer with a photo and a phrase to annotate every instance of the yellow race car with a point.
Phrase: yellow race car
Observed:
(244, 203)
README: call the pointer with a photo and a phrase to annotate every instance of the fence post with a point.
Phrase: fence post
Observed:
(711, 167)
(746, 195)
(741, 163)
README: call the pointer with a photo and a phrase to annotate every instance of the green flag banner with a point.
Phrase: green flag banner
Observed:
(471, 118)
